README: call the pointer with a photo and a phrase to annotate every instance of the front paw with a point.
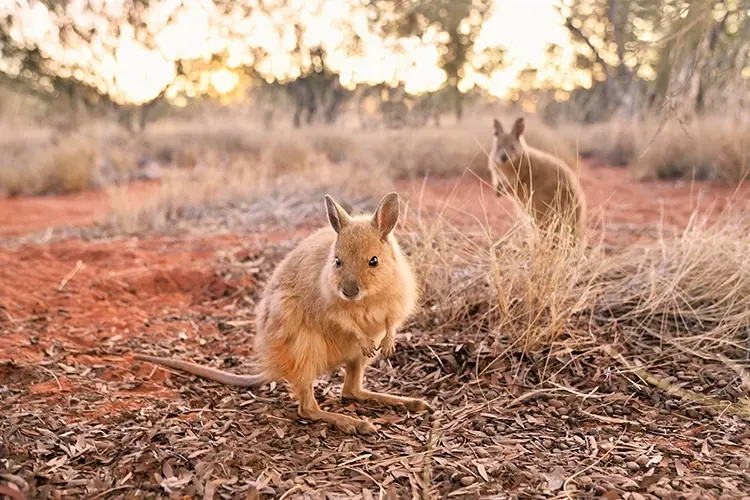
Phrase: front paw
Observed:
(368, 347)
(388, 345)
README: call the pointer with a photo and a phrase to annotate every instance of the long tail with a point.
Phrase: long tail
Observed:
(205, 371)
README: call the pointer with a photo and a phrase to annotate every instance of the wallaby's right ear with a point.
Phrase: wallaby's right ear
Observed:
(386, 215)
(337, 216)
(498, 127)
(518, 127)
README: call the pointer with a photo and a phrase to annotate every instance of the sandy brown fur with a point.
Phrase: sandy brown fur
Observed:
(540, 181)
(306, 327)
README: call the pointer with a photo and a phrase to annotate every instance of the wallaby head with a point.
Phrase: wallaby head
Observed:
(508, 148)
(363, 259)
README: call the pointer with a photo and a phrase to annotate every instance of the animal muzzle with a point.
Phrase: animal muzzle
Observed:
(350, 289)
(503, 158)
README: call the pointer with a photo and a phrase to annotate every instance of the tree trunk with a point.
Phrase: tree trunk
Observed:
(459, 104)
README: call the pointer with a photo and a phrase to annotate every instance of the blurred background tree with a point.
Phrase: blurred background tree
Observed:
(451, 25)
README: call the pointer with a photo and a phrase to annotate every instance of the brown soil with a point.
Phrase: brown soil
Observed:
(24, 215)
(84, 418)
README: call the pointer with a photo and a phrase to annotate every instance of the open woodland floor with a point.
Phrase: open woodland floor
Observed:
(620, 412)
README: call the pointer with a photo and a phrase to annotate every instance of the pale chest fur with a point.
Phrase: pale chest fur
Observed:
(371, 317)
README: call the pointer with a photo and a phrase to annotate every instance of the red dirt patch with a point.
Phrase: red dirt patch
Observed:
(618, 207)
(34, 213)
(122, 287)
(56, 386)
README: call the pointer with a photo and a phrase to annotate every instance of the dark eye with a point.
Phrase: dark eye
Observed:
(337, 262)
(373, 262)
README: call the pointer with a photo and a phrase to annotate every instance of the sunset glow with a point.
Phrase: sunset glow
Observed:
(524, 27)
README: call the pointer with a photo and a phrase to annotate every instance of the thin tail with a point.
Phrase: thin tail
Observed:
(205, 371)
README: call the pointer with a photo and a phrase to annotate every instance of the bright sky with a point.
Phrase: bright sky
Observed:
(524, 27)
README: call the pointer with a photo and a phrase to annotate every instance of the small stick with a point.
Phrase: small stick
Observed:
(79, 265)
(5, 311)
(53, 375)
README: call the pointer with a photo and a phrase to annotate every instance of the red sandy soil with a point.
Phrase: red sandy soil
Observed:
(24, 215)
(614, 201)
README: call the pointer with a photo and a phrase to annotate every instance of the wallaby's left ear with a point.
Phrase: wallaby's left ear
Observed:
(518, 128)
(337, 216)
(498, 127)
(386, 215)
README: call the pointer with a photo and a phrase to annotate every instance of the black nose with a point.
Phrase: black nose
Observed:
(350, 289)
(503, 157)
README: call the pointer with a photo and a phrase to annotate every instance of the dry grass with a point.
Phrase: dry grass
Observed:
(709, 148)
(217, 143)
(259, 197)
(694, 286)
(70, 166)
(521, 289)
(615, 142)
(528, 292)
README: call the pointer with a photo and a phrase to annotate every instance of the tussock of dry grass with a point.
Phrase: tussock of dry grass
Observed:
(180, 196)
(528, 291)
(522, 290)
(264, 196)
(709, 148)
(70, 166)
(695, 287)
(615, 142)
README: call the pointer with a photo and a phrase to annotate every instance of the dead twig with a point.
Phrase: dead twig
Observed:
(59, 385)
(79, 265)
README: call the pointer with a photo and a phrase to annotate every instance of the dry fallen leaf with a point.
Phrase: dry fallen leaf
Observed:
(679, 467)
(391, 494)
(210, 490)
(13, 493)
(704, 448)
(555, 479)
(253, 493)
(482, 472)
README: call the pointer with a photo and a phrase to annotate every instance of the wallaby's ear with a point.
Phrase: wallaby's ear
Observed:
(337, 216)
(518, 128)
(498, 127)
(386, 215)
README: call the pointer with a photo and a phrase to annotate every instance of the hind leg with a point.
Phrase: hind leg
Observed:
(309, 409)
(352, 389)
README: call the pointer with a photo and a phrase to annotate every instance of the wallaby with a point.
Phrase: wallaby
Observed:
(341, 293)
(540, 181)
